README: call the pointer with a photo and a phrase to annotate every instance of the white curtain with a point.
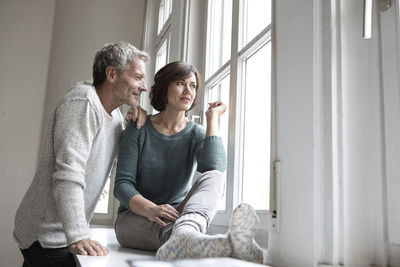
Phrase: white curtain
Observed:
(358, 220)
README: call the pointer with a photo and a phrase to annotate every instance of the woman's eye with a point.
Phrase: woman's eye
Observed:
(180, 83)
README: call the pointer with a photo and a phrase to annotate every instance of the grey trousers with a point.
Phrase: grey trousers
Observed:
(135, 231)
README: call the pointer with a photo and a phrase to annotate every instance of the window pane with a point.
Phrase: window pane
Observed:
(221, 92)
(255, 17)
(164, 12)
(257, 123)
(161, 59)
(218, 35)
(102, 205)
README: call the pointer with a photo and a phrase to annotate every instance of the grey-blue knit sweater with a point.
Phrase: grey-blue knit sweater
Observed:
(161, 167)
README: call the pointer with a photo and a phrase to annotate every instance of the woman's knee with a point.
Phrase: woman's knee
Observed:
(215, 178)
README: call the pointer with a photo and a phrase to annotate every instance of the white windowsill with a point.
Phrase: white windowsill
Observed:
(119, 256)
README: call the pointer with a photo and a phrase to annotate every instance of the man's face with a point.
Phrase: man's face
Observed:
(131, 83)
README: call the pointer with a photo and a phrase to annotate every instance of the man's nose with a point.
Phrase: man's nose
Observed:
(143, 87)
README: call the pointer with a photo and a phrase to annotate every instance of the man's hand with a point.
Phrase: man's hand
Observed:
(137, 114)
(157, 212)
(88, 247)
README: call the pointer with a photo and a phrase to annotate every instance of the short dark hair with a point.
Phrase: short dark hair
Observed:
(169, 73)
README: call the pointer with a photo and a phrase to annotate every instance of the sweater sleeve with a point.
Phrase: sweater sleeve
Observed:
(75, 128)
(125, 178)
(210, 154)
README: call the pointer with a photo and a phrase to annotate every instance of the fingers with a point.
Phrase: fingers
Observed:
(135, 113)
(141, 117)
(168, 212)
(159, 221)
(88, 247)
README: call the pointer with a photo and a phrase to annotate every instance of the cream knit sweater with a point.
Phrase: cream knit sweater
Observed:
(80, 149)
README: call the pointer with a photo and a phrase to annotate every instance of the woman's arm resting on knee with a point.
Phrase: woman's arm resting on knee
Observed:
(144, 207)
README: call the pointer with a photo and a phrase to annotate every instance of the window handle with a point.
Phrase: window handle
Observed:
(367, 29)
(274, 207)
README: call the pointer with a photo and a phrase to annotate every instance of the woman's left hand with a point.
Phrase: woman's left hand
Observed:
(216, 108)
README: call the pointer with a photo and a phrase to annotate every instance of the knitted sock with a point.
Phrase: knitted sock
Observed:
(244, 224)
(187, 241)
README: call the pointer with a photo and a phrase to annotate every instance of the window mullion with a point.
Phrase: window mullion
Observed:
(234, 160)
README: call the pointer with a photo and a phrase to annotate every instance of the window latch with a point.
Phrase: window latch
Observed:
(367, 25)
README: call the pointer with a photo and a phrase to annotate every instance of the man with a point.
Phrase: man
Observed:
(52, 221)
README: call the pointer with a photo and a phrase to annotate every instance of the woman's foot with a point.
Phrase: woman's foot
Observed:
(193, 244)
(243, 227)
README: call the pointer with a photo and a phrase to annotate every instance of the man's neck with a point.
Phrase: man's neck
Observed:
(106, 98)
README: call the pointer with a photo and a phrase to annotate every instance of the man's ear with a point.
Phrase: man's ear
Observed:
(111, 74)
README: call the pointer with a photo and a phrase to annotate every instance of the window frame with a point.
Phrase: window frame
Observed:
(187, 26)
(234, 68)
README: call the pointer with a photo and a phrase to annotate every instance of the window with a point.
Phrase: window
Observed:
(238, 70)
(257, 121)
(220, 91)
(163, 13)
(106, 208)
(229, 43)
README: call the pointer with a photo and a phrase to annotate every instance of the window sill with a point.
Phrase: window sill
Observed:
(120, 256)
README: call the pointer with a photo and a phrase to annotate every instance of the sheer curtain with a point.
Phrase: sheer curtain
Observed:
(355, 214)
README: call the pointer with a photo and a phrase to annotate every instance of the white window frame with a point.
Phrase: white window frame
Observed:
(187, 27)
(233, 67)
(108, 218)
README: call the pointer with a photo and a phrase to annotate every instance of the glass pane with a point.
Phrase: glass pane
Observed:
(256, 16)
(257, 128)
(161, 61)
(218, 35)
(163, 13)
(221, 92)
(161, 58)
(102, 205)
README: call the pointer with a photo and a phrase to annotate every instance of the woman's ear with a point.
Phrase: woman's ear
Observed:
(111, 74)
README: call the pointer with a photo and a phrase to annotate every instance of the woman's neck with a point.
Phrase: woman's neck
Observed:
(169, 122)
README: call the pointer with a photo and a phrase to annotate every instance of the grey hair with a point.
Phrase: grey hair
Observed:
(118, 55)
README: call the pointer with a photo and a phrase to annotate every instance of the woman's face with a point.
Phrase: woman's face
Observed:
(181, 93)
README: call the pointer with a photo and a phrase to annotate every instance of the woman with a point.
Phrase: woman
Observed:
(160, 208)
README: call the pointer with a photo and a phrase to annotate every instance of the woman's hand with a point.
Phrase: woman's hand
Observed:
(153, 212)
(214, 111)
(156, 213)
(216, 108)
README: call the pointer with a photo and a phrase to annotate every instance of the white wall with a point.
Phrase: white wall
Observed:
(293, 42)
(80, 28)
(25, 30)
(40, 61)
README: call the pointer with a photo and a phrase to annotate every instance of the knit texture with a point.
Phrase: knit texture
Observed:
(81, 146)
(161, 167)
(187, 242)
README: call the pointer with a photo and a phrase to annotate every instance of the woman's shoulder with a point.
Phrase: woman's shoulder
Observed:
(197, 130)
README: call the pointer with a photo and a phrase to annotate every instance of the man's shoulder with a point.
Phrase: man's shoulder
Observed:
(82, 92)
